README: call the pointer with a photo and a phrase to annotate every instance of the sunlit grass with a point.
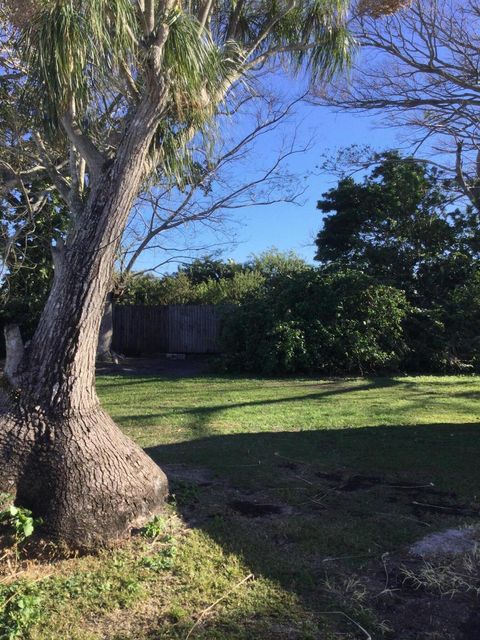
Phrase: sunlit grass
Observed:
(156, 410)
(296, 444)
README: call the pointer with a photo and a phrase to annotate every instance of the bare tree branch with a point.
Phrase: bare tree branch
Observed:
(420, 69)
(89, 152)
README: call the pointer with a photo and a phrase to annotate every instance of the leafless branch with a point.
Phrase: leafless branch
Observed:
(420, 69)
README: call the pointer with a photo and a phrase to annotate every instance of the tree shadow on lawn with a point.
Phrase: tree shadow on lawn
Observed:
(137, 375)
(203, 416)
(311, 509)
(157, 366)
(200, 417)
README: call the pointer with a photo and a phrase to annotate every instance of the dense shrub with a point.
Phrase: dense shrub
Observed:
(26, 269)
(179, 289)
(462, 323)
(398, 225)
(316, 320)
(445, 338)
(285, 316)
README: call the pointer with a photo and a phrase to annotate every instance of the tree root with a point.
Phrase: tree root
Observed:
(88, 482)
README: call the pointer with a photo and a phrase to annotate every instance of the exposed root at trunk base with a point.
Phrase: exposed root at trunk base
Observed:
(87, 480)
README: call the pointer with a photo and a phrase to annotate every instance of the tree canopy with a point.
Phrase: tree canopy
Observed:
(400, 224)
(419, 70)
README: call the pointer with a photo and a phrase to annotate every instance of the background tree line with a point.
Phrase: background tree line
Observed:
(397, 287)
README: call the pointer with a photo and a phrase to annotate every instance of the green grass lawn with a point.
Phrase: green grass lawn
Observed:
(287, 497)
(422, 427)
(187, 408)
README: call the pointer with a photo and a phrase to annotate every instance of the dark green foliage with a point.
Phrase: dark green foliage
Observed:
(462, 320)
(288, 316)
(150, 290)
(210, 267)
(317, 320)
(27, 261)
(396, 224)
(179, 289)
(210, 280)
(399, 227)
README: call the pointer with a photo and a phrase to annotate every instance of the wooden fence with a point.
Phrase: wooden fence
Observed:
(146, 330)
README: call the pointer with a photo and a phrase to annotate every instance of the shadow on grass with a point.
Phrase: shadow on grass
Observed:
(346, 494)
(306, 509)
(242, 409)
(137, 375)
(157, 366)
(446, 454)
(200, 417)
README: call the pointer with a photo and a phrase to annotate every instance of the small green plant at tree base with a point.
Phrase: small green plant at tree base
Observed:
(185, 493)
(164, 559)
(154, 528)
(21, 520)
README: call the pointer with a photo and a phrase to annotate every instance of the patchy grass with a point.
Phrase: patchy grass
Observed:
(292, 504)
(418, 427)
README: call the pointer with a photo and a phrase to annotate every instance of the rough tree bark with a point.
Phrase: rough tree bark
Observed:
(105, 352)
(60, 453)
(14, 344)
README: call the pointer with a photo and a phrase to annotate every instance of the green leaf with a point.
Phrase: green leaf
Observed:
(28, 528)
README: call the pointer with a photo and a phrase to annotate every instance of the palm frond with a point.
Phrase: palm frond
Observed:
(309, 35)
(314, 35)
(70, 44)
(195, 63)
(199, 70)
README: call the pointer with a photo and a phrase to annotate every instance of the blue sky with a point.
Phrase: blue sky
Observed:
(293, 227)
(289, 226)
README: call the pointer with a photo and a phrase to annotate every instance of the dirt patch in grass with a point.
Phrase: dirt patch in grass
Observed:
(254, 509)
(201, 495)
(426, 600)
(421, 499)
(383, 592)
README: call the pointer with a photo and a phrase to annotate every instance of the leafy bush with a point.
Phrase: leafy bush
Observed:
(291, 317)
(317, 320)
(178, 289)
(399, 226)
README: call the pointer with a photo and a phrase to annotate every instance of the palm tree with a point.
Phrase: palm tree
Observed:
(119, 88)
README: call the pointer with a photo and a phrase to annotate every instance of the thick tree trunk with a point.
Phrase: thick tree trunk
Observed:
(89, 482)
(60, 454)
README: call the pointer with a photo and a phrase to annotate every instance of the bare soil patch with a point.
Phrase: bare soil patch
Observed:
(392, 587)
